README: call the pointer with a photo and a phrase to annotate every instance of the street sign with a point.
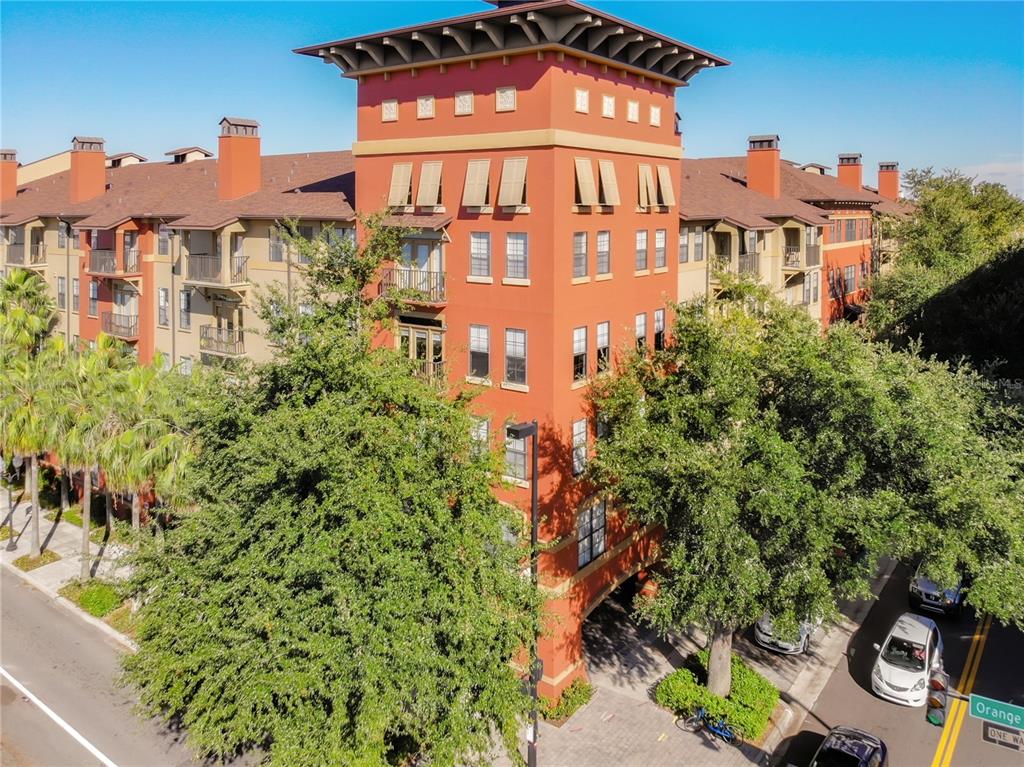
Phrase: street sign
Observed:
(991, 710)
(1003, 736)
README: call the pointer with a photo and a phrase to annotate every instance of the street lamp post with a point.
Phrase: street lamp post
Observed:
(521, 431)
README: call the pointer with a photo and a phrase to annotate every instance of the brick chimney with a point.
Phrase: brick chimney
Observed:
(88, 168)
(8, 174)
(764, 170)
(238, 164)
(889, 180)
(850, 171)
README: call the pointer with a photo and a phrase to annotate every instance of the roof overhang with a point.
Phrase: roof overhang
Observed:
(559, 25)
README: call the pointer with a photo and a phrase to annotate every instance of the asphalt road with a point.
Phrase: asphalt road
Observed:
(71, 668)
(995, 670)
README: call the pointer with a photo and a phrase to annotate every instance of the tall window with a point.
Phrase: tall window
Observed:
(479, 351)
(604, 252)
(815, 286)
(62, 234)
(582, 100)
(659, 248)
(590, 523)
(579, 354)
(515, 458)
(851, 229)
(163, 306)
(811, 235)
(579, 446)
(607, 106)
(516, 255)
(480, 434)
(698, 243)
(305, 234)
(276, 245)
(185, 309)
(579, 254)
(640, 326)
(62, 292)
(515, 356)
(659, 329)
(74, 294)
(163, 242)
(850, 278)
(641, 250)
(603, 346)
(94, 297)
(751, 241)
(684, 245)
(480, 254)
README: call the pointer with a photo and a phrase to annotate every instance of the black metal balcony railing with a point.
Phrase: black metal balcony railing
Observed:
(37, 254)
(227, 341)
(430, 285)
(102, 261)
(16, 254)
(792, 256)
(749, 263)
(202, 267)
(813, 257)
(120, 325)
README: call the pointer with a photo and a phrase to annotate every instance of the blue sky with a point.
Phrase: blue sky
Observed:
(938, 84)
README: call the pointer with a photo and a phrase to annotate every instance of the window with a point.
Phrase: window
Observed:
(590, 523)
(607, 106)
(515, 458)
(641, 250)
(304, 233)
(655, 116)
(850, 278)
(429, 193)
(185, 309)
(400, 193)
(463, 103)
(582, 100)
(516, 256)
(579, 354)
(185, 366)
(647, 190)
(659, 248)
(633, 111)
(815, 286)
(666, 194)
(579, 446)
(604, 252)
(604, 347)
(579, 254)
(512, 191)
(811, 235)
(586, 191)
(698, 243)
(389, 110)
(863, 272)
(750, 238)
(684, 245)
(62, 234)
(806, 293)
(424, 107)
(480, 254)
(62, 292)
(659, 329)
(479, 432)
(94, 297)
(515, 356)
(641, 331)
(74, 294)
(609, 183)
(276, 245)
(477, 193)
(851, 230)
(479, 351)
(163, 306)
(505, 99)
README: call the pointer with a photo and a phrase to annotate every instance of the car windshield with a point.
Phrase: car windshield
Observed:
(832, 757)
(904, 653)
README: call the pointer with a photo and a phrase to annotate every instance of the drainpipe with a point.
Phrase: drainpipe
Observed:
(175, 260)
(67, 279)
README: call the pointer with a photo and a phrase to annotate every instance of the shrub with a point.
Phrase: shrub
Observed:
(572, 699)
(96, 598)
(748, 707)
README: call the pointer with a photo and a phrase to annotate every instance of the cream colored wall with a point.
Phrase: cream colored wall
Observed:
(47, 166)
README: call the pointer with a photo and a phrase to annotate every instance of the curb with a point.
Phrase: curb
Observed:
(781, 723)
(72, 608)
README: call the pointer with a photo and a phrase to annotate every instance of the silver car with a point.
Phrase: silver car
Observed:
(925, 594)
(764, 635)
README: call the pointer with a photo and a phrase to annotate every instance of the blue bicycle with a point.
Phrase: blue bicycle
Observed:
(719, 728)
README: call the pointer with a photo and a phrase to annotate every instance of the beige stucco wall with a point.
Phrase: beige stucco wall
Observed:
(46, 166)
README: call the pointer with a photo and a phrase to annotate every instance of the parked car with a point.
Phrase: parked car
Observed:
(764, 635)
(925, 594)
(850, 747)
(910, 653)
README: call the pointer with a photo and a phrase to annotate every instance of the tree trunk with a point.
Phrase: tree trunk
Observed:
(109, 499)
(33, 478)
(65, 486)
(720, 661)
(86, 518)
(136, 511)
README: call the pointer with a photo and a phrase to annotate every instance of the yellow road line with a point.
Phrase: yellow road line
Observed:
(958, 708)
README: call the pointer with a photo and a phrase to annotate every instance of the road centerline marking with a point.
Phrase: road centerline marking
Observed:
(967, 685)
(107, 762)
(954, 711)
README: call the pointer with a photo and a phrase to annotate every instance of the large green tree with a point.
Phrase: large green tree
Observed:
(341, 587)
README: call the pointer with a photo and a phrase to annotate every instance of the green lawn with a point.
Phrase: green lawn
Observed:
(27, 563)
(97, 598)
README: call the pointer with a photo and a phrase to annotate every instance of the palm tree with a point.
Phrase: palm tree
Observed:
(27, 312)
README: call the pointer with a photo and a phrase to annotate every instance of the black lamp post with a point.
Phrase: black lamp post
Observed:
(522, 431)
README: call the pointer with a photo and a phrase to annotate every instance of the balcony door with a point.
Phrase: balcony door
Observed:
(227, 318)
(421, 261)
(424, 345)
(126, 302)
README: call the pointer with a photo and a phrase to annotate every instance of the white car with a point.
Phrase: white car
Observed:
(911, 652)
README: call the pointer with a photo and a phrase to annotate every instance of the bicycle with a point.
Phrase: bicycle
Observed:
(719, 728)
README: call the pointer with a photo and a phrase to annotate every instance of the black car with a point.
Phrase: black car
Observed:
(850, 747)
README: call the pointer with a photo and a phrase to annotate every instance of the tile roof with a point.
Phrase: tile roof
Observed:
(187, 149)
(318, 185)
(801, 185)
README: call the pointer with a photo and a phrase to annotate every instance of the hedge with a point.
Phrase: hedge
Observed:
(573, 698)
(748, 707)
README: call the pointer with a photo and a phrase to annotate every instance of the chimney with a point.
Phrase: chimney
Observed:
(88, 168)
(889, 180)
(764, 170)
(850, 171)
(8, 174)
(238, 164)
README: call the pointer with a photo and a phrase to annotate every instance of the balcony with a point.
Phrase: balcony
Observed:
(813, 255)
(750, 263)
(124, 326)
(105, 263)
(37, 256)
(430, 369)
(224, 341)
(16, 254)
(204, 269)
(428, 287)
(791, 259)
